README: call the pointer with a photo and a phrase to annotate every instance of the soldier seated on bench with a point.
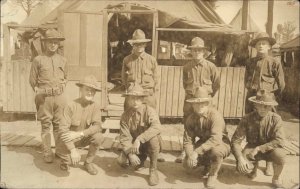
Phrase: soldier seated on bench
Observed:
(140, 134)
(81, 126)
(213, 145)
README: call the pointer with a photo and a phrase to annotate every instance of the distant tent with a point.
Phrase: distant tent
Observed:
(236, 23)
(292, 44)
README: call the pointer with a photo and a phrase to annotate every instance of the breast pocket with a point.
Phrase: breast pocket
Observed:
(189, 78)
(148, 78)
(267, 83)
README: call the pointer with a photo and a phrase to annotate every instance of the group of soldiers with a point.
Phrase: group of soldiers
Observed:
(205, 139)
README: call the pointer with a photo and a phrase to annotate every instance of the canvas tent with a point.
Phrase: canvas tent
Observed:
(236, 23)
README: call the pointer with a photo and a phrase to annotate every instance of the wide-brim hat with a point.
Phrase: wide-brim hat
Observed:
(197, 43)
(262, 36)
(51, 34)
(135, 90)
(138, 36)
(89, 81)
(265, 98)
(200, 95)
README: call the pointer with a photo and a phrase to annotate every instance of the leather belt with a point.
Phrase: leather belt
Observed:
(51, 91)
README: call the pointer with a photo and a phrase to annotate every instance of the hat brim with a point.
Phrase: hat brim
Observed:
(271, 40)
(97, 88)
(253, 99)
(58, 38)
(196, 47)
(132, 41)
(133, 94)
(198, 100)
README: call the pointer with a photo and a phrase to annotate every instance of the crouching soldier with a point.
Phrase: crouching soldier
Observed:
(81, 126)
(264, 134)
(140, 134)
(213, 145)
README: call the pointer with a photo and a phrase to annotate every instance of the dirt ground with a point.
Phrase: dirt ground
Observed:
(23, 167)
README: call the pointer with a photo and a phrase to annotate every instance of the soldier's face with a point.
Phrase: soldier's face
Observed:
(262, 46)
(200, 108)
(262, 110)
(135, 101)
(87, 93)
(197, 53)
(52, 45)
(138, 48)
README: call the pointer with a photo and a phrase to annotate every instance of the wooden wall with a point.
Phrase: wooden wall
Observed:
(229, 100)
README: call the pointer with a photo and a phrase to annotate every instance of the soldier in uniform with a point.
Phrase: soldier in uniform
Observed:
(263, 72)
(264, 134)
(140, 67)
(213, 145)
(81, 126)
(198, 73)
(140, 134)
(48, 77)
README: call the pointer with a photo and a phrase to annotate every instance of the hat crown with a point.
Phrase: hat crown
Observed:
(197, 42)
(264, 96)
(138, 34)
(262, 35)
(53, 34)
(201, 92)
(135, 90)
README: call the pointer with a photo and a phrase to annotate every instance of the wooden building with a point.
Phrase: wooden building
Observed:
(90, 29)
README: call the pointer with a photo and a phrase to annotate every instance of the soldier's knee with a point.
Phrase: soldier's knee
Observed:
(154, 144)
(97, 139)
(278, 156)
(122, 160)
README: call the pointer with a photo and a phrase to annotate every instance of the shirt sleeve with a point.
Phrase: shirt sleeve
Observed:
(65, 124)
(279, 76)
(278, 138)
(217, 126)
(123, 74)
(125, 136)
(215, 78)
(33, 76)
(188, 137)
(154, 126)
(66, 71)
(237, 138)
(155, 73)
(95, 123)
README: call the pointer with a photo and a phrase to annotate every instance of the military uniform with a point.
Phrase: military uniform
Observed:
(143, 124)
(84, 116)
(48, 77)
(213, 143)
(141, 70)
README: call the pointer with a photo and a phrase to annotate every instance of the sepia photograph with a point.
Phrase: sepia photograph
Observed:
(187, 94)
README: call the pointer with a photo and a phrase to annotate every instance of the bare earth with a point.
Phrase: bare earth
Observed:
(23, 167)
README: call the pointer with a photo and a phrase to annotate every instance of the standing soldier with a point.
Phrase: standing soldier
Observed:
(48, 78)
(140, 67)
(198, 73)
(140, 134)
(213, 145)
(81, 126)
(263, 72)
(264, 134)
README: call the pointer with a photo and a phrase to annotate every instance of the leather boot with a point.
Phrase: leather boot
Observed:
(47, 152)
(90, 168)
(153, 177)
(277, 184)
(211, 181)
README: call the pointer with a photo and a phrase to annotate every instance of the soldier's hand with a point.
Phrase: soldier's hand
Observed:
(192, 160)
(75, 156)
(134, 159)
(135, 147)
(253, 153)
(70, 135)
(244, 166)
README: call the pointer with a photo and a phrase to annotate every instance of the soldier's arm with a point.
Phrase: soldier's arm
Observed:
(279, 76)
(155, 73)
(217, 125)
(237, 138)
(125, 136)
(154, 128)
(65, 123)
(215, 78)
(278, 138)
(123, 74)
(96, 122)
(188, 138)
(33, 76)
(66, 71)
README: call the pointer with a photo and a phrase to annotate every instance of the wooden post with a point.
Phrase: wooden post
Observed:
(104, 59)
(245, 15)
(155, 35)
(270, 17)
